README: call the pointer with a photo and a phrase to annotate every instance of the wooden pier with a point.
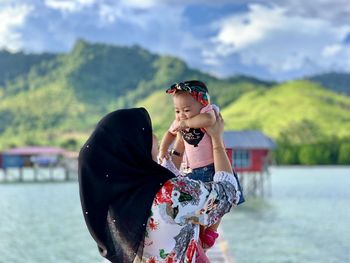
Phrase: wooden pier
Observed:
(38, 164)
(60, 173)
(256, 184)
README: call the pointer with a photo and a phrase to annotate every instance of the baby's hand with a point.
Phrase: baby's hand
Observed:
(163, 153)
(180, 126)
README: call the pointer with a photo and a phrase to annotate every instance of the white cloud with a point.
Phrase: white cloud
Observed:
(109, 14)
(244, 30)
(12, 18)
(161, 29)
(145, 4)
(334, 11)
(271, 37)
(69, 5)
(332, 50)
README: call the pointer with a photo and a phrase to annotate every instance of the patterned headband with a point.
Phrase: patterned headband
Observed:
(199, 93)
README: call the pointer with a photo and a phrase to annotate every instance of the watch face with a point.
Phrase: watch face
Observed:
(193, 136)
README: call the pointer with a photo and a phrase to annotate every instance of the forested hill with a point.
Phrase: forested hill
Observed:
(57, 99)
(13, 65)
(296, 111)
(338, 82)
(310, 123)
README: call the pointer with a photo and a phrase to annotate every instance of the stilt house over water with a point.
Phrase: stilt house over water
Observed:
(250, 154)
(17, 162)
(29, 156)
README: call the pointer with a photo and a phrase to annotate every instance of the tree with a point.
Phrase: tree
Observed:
(70, 144)
(344, 153)
(306, 155)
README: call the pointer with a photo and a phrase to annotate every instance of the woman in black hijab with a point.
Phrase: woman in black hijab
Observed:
(126, 196)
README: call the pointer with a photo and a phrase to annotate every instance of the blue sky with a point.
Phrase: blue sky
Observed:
(275, 39)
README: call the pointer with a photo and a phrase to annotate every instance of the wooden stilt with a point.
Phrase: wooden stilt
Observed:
(21, 174)
(50, 173)
(254, 193)
(5, 175)
(241, 180)
(36, 172)
(262, 184)
(51, 178)
(256, 184)
(66, 173)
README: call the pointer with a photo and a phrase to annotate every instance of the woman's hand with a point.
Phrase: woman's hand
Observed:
(221, 161)
(217, 129)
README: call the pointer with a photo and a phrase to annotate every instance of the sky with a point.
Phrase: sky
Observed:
(274, 40)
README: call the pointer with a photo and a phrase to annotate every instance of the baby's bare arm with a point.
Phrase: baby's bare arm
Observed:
(167, 140)
(179, 147)
(201, 120)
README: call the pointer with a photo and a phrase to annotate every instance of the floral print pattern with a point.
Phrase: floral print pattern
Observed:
(178, 209)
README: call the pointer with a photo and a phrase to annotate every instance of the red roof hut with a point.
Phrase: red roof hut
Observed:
(28, 155)
(248, 150)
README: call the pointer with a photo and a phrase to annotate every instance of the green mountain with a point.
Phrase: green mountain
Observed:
(310, 124)
(56, 99)
(295, 111)
(338, 82)
(13, 65)
(59, 99)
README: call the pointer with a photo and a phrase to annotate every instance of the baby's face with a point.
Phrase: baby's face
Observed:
(186, 106)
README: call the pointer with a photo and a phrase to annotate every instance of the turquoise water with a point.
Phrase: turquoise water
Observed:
(306, 219)
(43, 223)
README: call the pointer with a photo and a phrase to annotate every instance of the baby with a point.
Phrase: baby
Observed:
(193, 113)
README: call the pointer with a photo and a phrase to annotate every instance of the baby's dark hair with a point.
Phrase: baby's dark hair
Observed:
(197, 89)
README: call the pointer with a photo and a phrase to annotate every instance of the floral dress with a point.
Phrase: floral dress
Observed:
(179, 207)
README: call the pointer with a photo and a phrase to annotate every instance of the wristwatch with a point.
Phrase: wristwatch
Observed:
(174, 152)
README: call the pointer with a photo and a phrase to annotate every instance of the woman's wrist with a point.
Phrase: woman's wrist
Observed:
(218, 148)
(217, 142)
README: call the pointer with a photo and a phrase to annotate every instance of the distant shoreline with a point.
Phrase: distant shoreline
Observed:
(310, 166)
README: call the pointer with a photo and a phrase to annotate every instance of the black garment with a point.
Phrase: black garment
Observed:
(118, 181)
(193, 136)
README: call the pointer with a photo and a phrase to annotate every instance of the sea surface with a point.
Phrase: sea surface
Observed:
(305, 219)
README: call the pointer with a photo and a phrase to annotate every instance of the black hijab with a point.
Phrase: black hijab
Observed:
(118, 181)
